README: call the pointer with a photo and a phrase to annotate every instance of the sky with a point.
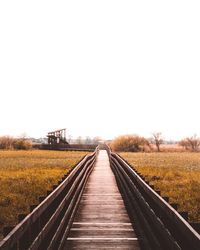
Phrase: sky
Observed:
(100, 68)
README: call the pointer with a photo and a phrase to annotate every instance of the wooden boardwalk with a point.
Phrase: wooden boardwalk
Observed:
(101, 221)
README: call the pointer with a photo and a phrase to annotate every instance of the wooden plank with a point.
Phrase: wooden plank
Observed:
(97, 245)
(102, 221)
(101, 233)
(184, 230)
(25, 224)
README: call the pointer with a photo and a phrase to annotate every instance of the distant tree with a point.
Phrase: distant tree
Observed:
(88, 140)
(157, 140)
(96, 140)
(184, 143)
(190, 143)
(129, 143)
(22, 143)
(6, 142)
(79, 140)
(69, 138)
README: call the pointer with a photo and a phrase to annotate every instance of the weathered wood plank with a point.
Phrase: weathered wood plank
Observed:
(102, 221)
(100, 244)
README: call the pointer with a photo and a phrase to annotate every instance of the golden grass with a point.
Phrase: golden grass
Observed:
(26, 175)
(176, 175)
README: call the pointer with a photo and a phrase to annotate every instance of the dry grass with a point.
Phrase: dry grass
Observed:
(26, 175)
(177, 175)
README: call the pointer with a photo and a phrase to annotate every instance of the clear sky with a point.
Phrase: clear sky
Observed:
(100, 68)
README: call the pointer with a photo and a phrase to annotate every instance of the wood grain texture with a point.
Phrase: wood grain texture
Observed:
(102, 221)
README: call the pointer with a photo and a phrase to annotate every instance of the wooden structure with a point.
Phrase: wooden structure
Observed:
(158, 222)
(57, 137)
(48, 223)
(102, 221)
(87, 212)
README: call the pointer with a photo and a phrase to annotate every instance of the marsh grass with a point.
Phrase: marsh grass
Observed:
(26, 175)
(176, 175)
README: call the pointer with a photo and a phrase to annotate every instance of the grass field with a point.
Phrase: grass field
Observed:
(176, 175)
(26, 175)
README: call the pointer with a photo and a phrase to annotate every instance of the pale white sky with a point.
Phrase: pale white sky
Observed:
(100, 67)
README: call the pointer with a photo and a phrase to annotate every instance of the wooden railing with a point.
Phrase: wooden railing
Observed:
(159, 224)
(48, 224)
(156, 222)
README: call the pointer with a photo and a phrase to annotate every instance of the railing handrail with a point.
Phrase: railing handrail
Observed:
(21, 228)
(183, 226)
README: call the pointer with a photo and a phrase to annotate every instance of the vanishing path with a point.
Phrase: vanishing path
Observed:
(101, 221)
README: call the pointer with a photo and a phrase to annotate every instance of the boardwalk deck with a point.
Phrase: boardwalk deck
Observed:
(101, 221)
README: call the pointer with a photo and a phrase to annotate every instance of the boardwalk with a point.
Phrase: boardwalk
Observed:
(101, 221)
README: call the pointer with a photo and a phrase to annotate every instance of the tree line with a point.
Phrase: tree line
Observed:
(8, 142)
(135, 143)
(126, 143)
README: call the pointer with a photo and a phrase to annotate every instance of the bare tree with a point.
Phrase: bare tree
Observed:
(96, 140)
(6, 142)
(157, 139)
(192, 143)
(88, 140)
(184, 143)
(79, 140)
(69, 139)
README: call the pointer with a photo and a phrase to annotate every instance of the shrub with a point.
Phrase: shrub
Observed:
(22, 144)
(6, 142)
(130, 143)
